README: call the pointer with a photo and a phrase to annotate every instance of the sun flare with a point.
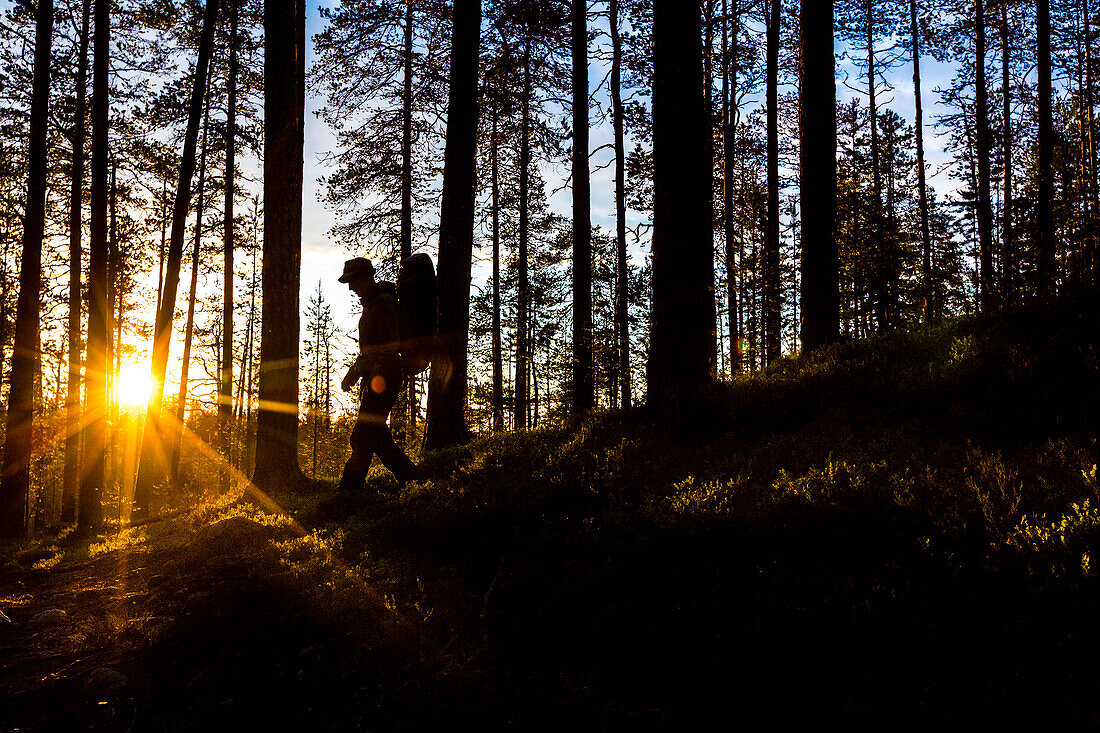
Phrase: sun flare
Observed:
(134, 387)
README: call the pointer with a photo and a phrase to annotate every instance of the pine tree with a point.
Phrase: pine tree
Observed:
(284, 109)
(71, 470)
(682, 341)
(448, 378)
(817, 130)
(26, 359)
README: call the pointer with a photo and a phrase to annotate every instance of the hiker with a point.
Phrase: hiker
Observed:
(379, 368)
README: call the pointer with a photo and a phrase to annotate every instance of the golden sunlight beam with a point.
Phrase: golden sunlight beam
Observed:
(135, 384)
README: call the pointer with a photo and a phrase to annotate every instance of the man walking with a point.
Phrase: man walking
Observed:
(379, 368)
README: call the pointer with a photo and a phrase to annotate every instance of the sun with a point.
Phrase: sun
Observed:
(134, 387)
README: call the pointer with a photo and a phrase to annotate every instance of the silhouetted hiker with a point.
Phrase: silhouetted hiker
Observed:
(379, 368)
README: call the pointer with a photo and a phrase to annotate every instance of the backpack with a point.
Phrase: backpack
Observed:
(418, 311)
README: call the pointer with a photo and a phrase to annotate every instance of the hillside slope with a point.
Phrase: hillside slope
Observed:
(902, 531)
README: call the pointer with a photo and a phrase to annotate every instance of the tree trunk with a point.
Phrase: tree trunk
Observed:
(1047, 263)
(90, 502)
(982, 147)
(152, 467)
(185, 365)
(584, 396)
(772, 304)
(498, 367)
(922, 180)
(114, 321)
(284, 109)
(1094, 196)
(1009, 246)
(70, 481)
(406, 136)
(523, 295)
(225, 382)
(448, 379)
(19, 434)
(729, 130)
(163, 240)
(872, 103)
(622, 321)
(681, 355)
(817, 129)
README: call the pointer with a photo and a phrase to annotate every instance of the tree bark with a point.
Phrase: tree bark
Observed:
(406, 136)
(520, 402)
(872, 103)
(622, 321)
(498, 366)
(176, 432)
(1094, 195)
(982, 147)
(1009, 245)
(584, 396)
(284, 109)
(225, 382)
(1047, 263)
(152, 466)
(922, 179)
(729, 131)
(26, 357)
(681, 358)
(447, 381)
(70, 481)
(817, 126)
(772, 303)
(90, 502)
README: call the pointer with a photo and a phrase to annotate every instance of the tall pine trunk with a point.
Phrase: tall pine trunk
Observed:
(729, 94)
(1046, 152)
(922, 178)
(284, 110)
(70, 477)
(406, 134)
(772, 303)
(1090, 121)
(447, 381)
(152, 467)
(225, 382)
(497, 358)
(189, 330)
(982, 147)
(90, 501)
(622, 322)
(1008, 255)
(872, 103)
(524, 293)
(583, 388)
(26, 358)
(817, 130)
(682, 341)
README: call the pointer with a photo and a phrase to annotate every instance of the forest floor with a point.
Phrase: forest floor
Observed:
(895, 533)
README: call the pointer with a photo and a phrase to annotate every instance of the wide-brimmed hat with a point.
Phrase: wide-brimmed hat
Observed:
(356, 266)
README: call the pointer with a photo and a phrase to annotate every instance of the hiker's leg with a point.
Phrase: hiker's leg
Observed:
(377, 406)
(355, 470)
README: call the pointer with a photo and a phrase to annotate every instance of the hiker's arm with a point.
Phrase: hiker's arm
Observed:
(351, 377)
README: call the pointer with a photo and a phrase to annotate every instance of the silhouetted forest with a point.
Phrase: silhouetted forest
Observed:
(766, 330)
